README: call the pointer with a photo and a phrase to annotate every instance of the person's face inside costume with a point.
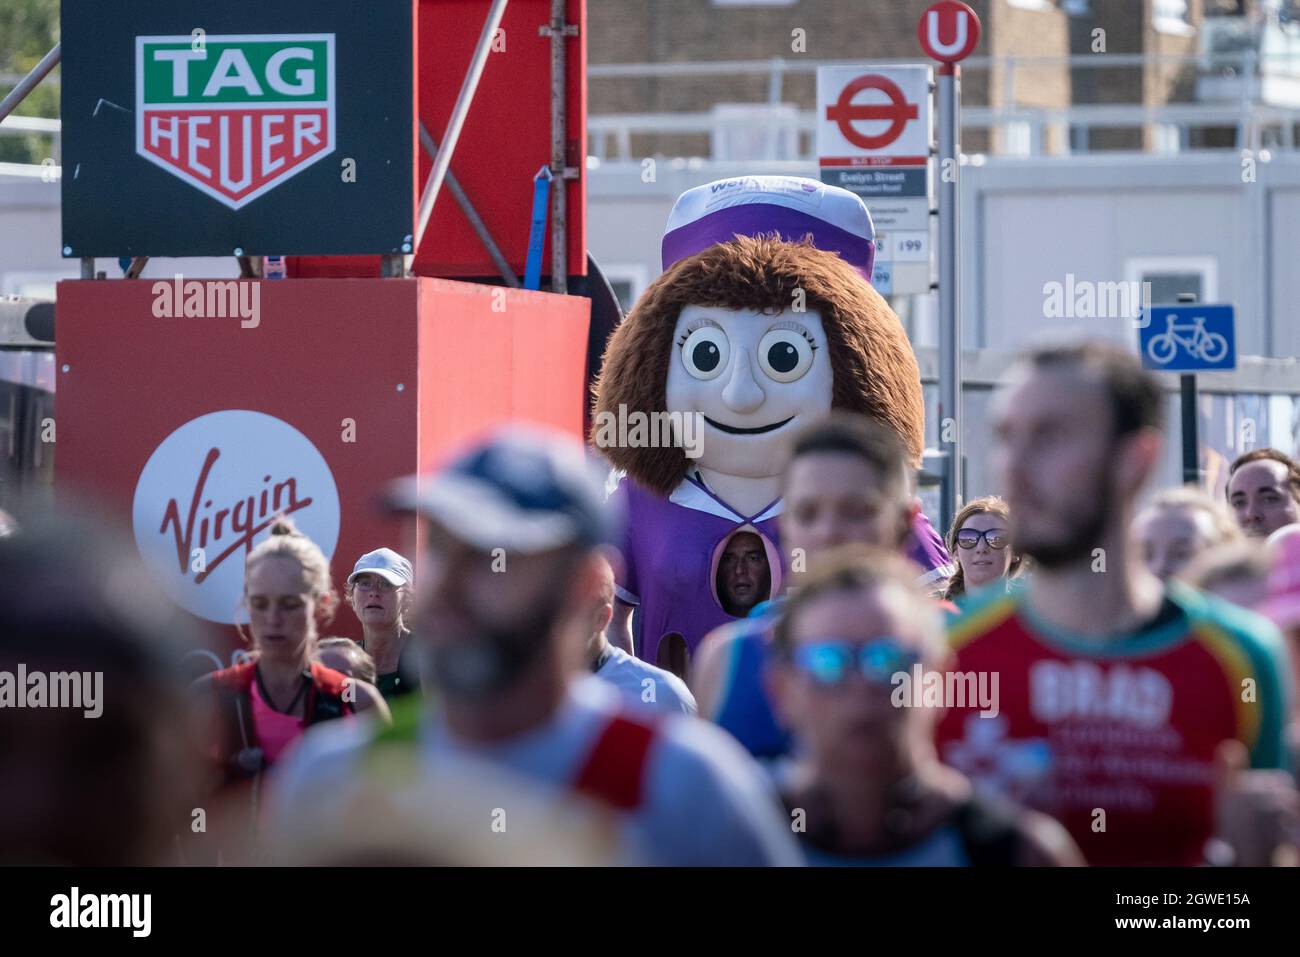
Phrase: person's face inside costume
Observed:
(744, 578)
(754, 377)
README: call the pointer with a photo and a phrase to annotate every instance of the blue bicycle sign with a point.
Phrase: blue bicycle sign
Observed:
(1188, 338)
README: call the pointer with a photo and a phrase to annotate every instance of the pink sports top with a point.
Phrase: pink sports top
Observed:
(275, 731)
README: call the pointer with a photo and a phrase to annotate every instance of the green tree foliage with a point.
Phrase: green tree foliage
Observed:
(28, 30)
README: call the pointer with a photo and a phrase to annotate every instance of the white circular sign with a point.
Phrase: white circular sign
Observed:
(212, 489)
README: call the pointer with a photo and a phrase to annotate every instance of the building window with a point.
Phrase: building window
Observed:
(1017, 139)
(1165, 138)
(755, 131)
(1171, 276)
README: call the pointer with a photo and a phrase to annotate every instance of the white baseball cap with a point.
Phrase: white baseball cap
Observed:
(385, 563)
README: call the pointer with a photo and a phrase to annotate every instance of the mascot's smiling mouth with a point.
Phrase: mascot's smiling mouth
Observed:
(734, 430)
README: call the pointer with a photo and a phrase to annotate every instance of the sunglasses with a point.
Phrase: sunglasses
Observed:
(996, 538)
(829, 661)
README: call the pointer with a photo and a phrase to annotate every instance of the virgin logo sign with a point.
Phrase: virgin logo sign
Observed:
(211, 490)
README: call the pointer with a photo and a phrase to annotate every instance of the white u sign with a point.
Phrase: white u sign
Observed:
(940, 49)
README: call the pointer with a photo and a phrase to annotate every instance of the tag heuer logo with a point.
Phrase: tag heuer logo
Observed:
(235, 116)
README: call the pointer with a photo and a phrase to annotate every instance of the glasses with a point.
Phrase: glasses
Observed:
(970, 537)
(829, 661)
(373, 583)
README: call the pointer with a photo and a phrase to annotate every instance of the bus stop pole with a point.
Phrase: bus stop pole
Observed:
(1191, 441)
(949, 318)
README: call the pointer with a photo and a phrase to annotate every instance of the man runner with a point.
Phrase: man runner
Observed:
(1124, 702)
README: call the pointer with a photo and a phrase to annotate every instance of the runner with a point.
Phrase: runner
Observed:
(641, 683)
(1264, 491)
(1178, 525)
(1237, 572)
(868, 787)
(847, 481)
(980, 541)
(507, 581)
(1281, 605)
(266, 703)
(99, 770)
(1123, 700)
(347, 658)
(379, 593)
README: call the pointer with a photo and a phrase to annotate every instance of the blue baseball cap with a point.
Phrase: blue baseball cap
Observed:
(524, 488)
(791, 206)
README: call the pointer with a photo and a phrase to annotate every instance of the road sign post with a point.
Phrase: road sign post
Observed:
(1191, 438)
(1191, 441)
(949, 31)
(1188, 338)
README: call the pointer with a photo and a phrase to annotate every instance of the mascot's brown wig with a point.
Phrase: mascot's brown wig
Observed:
(875, 372)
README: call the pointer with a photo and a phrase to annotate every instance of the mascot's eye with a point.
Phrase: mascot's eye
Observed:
(705, 352)
(785, 355)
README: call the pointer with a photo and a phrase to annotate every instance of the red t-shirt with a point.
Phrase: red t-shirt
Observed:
(1115, 737)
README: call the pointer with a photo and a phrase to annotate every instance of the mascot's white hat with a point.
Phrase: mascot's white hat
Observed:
(792, 206)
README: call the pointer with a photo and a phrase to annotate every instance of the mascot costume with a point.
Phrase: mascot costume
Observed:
(762, 321)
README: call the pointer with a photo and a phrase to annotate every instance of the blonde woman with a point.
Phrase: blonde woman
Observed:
(1177, 526)
(980, 543)
(266, 703)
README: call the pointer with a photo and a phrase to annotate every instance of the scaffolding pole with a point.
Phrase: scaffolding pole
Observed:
(442, 161)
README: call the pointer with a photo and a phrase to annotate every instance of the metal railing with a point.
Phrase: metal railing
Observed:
(1231, 86)
(1223, 90)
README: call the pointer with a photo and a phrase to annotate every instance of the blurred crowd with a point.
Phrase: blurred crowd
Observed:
(1106, 675)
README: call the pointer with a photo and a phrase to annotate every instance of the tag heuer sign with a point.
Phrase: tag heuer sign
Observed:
(239, 128)
(235, 116)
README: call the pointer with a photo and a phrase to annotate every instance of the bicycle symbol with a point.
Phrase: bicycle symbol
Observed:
(1207, 346)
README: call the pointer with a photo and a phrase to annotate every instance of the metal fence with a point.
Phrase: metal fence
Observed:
(1251, 98)
(1251, 95)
